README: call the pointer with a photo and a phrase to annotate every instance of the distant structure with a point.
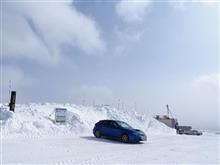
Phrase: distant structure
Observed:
(172, 123)
(167, 120)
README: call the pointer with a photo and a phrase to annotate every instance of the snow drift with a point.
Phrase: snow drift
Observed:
(34, 120)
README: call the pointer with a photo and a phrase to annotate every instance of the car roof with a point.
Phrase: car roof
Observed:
(106, 120)
(110, 120)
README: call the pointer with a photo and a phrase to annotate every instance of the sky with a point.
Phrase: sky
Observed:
(134, 55)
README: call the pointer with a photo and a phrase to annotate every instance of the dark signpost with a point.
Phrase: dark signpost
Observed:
(12, 101)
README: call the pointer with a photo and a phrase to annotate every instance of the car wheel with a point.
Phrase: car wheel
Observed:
(124, 138)
(97, 134)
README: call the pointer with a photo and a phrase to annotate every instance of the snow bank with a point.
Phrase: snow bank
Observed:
(34, 120)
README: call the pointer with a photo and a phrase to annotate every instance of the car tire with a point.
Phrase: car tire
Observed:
(124, 138)
(97, 134)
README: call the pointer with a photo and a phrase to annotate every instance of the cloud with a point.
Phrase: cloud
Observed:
(132, 10)
(40, 31)
(183, 4)
(125, 37)
(90, 93)
(209, 81)
(119, 50)
(178, 5)
(200, 99)
(19, 80)
(128, 34)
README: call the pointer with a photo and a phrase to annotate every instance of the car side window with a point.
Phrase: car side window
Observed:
(114, 124)
(108, 123)
(105, 123)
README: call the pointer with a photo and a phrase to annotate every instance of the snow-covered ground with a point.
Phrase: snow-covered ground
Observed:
(88, 149)
(30, 136)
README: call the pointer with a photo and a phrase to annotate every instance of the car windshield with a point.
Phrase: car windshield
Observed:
(123, 124)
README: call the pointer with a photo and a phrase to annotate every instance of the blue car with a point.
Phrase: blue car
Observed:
(118, 130)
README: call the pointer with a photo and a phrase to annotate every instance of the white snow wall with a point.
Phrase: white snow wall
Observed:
(33, 120)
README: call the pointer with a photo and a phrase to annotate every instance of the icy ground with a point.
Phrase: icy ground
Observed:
(29, 136)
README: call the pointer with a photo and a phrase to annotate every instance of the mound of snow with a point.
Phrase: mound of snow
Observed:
(5, 114)
(34, 120)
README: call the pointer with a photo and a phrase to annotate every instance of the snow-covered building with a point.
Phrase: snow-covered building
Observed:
(170, 122)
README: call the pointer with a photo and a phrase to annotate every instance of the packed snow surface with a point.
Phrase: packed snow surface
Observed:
(159, 149)
(29, 136)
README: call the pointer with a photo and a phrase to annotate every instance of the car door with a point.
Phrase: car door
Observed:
(115, 129)
(110, 129)
(105, 128)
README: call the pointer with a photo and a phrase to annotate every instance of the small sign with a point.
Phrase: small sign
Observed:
(60, 115)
